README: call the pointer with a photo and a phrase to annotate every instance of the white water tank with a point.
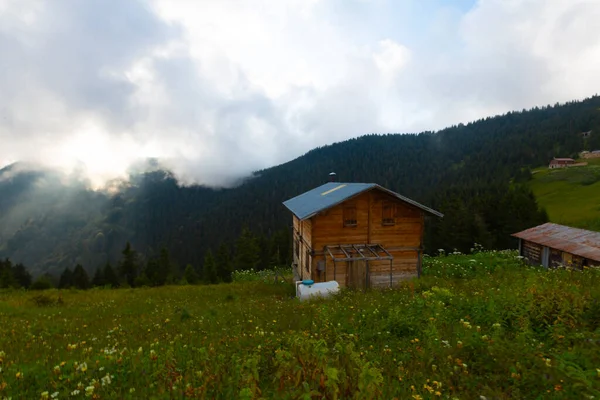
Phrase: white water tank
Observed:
(308, 289)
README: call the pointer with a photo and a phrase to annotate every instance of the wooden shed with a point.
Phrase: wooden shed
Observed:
(358, 234)
(552, 245)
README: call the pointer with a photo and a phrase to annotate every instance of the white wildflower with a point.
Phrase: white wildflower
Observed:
(106, 380)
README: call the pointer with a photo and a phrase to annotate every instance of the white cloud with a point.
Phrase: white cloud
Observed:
(390, 58)
(219, 88)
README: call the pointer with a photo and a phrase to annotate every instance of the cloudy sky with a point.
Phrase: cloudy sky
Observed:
(221, 88)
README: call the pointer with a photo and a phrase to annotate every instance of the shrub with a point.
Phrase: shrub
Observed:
(42, 300)
(42, 283)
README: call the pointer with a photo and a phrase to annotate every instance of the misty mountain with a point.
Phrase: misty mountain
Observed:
(472, 173)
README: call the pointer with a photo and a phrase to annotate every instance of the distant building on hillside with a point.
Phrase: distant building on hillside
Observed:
(553, 245)
(586, 135)
(590, 154)
(358, 234)
(561, 162)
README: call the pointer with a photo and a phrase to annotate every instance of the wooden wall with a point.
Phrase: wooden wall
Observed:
(403, 240)
(328, 226)
(531, 251)
(556, 258)
(534, 253)
(559, 258)
(302, 248)
(408, 228)
(404, 266)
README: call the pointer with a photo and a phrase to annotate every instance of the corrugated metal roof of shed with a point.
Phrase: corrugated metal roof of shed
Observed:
(330, 194)
(576, 241)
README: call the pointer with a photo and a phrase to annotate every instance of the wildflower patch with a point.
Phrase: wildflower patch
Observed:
(482, 325)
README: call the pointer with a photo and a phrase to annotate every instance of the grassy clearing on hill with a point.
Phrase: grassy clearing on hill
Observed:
(474, 325)
(571, 196)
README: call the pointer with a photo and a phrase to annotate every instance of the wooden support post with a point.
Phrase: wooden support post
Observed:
(330, 253)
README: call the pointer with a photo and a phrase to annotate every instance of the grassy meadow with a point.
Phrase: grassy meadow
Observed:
(478, 326)
(571, 196)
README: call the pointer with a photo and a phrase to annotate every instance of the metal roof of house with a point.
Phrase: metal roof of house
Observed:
(572, 240)
(563, 159)
(330, 194)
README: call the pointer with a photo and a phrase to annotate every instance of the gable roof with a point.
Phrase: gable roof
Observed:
(576, 241)
(562, 159)
(314, 201)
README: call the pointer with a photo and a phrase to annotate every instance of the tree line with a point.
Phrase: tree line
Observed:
(134, 269)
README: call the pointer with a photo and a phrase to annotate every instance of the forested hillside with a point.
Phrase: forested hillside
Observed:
(472, 173)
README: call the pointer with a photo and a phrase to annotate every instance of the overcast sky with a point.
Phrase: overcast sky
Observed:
(221, 88)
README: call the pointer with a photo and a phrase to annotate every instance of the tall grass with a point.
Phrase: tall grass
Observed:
(277, 274)
(474, 326)
(570, 195)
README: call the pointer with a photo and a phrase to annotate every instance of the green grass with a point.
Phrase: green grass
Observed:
(571, 196)
(473, 325)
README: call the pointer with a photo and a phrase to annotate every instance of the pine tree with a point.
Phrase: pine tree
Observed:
(166, 269)
(7, 278)
(209, 269)
(223, 262)
(98, 279)
(153, 272)
(282, 244)
(264, 245)
(247, 251)
(22, 276)
(275, 260)
(110, 277)
(66, 279)
(128, 267)
(190, 275)
(80, 278)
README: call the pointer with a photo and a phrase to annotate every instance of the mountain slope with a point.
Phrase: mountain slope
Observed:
(50, 223)
(570, 196)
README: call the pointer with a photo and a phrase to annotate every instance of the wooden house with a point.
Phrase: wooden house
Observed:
(561, 162)
(358, 234)
(552, 245)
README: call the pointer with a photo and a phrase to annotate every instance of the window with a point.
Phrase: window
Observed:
(388, 213)
(350, 216)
